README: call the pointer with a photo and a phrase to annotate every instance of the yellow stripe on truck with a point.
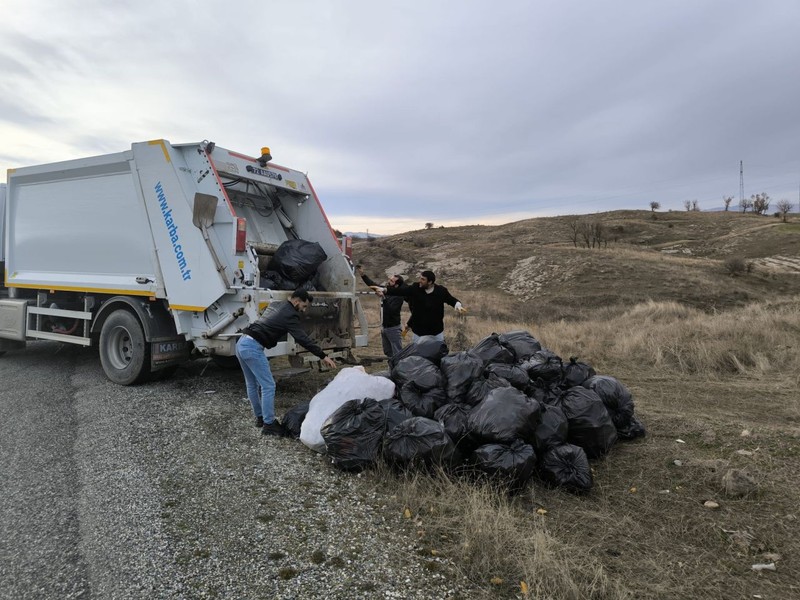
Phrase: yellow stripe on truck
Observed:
(64, 288)
(189, 308)
(163, 147)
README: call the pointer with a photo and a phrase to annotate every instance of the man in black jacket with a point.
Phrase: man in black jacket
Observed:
(390, 314)
(427, 300)
(279, 319)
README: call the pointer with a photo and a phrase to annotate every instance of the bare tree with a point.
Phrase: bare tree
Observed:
(593, 234)
(428, 225)
(687, 204)
(574, 225)
(695, 205)
(654, 206)
(784, 207)
(599, 234)
(745, 203)
(760, 203)
(726, 200)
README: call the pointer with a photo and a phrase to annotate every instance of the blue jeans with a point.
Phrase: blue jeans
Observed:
(257, 374)
(439, 337)
(390, 338)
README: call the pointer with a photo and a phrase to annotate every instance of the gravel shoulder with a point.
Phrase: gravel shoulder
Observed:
(167, 490)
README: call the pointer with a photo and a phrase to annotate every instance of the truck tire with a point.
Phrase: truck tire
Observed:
(124, 352)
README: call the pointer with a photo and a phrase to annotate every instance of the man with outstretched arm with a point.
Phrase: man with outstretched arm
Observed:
(279, 319)
(390, 313)
(427, 300)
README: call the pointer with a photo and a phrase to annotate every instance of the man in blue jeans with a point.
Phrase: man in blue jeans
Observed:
(279, 319)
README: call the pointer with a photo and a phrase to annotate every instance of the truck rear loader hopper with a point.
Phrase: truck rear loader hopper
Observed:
(155, 255)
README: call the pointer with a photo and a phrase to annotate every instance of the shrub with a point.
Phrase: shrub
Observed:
(735, 266)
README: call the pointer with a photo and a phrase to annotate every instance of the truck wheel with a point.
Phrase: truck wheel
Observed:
(124, 353)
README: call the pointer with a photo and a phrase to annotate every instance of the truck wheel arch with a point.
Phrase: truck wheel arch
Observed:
(155, 319)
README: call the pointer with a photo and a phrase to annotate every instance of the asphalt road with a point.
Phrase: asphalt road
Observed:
(166, 490)
(68, 479)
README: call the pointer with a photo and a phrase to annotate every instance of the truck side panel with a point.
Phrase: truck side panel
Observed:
(81, 227)
(2, 222)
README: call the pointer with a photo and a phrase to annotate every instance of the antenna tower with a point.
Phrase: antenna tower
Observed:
(741, 182)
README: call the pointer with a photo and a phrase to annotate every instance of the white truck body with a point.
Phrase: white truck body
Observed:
(171, 234)
(2, 222)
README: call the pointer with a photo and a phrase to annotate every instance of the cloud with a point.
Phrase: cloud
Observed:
(423, 111)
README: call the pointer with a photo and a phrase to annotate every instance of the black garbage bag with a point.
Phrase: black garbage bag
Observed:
(419, 441)
(421, 371)
(616, 397)
(394, 412)
(575, 373)
(272, 280)
(460, 369)
(310, 285)
(544, 392)
(353, 434)
(567, 467)
(426, 346)
(513, 374)
(297, 260)
(552, 429)
(509, 464)
(491, 350)
(590, 425)
(385, 373)
(632, 430)
(422, 403)
(293, 419)
(506, 414)
(454, 417)
(544, 365)
(521, 343)
(481, 387)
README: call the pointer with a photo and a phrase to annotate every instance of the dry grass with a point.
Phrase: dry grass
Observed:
(499, 542)
(756, 340)
(643, 531)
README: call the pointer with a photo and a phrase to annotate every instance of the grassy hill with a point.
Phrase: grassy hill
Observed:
(676, 256)
(712, 360)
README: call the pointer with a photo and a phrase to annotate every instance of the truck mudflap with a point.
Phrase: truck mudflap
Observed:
(165, 353)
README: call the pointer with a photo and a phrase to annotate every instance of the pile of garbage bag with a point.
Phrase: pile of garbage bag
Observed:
(507, 410)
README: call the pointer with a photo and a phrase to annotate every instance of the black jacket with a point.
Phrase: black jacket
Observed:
(279, 319)
(427, 309)
(390, 306)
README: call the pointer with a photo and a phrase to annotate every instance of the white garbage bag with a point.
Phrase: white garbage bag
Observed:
(350, 383)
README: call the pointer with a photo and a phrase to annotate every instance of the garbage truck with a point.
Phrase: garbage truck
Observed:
(158, 254)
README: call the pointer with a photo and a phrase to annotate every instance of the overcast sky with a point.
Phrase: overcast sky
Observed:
(410, 112)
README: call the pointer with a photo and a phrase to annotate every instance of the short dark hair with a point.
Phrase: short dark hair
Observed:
(429, 275)
(399, 279)
(303, 295)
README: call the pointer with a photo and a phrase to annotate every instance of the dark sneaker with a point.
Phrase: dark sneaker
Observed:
(274, 428)
(259, 422)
